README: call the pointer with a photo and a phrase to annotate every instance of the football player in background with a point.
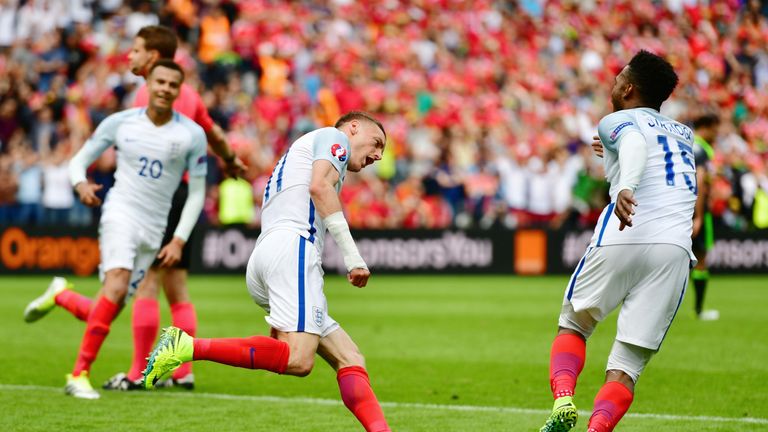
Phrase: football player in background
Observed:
(705, 129)
(153, 43)
(155, 146)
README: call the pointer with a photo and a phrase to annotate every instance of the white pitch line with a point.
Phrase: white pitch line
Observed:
(410, 405)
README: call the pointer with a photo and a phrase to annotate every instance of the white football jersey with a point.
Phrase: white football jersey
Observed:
(667, 191)
(150, 163)
(287, 204)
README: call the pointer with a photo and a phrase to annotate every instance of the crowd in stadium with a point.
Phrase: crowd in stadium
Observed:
(490, 106)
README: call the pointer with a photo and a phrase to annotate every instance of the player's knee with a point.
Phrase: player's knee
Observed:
(581, 323)
(116, 285)
(115, 294)
(569, 331)
(300, 367)
(570, 324)
(627, 360)
(303, 371)
(620, 377)
(147, 289)
(300, 363)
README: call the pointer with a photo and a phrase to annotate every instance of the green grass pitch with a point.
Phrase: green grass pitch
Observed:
(445, 353)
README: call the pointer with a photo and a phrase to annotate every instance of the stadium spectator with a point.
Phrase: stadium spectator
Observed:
(29, 173)
(58, 197)
(8, 9)
(183, 14)
(37, 18)
(301, 202)
(141, 17)
(8, 188)
(9, 122)
(215, 41)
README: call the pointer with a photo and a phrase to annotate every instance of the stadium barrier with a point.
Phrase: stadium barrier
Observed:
(26, 250)
(40, 250)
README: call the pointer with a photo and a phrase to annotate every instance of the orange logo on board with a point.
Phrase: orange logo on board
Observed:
(19, 250)
(530, 252)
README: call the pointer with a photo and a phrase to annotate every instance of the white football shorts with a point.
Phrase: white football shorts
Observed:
(285, 278)
(125, 244)
(649, 279)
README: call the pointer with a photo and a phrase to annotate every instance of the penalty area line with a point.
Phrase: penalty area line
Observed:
(397, 405)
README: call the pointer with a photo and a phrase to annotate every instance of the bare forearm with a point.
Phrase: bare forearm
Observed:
(702, 192)
(325, 198)
(218, 142)
(699, 208)
(701, 202)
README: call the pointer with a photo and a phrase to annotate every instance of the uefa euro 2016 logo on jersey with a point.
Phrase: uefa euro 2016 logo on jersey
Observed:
(318, 316)
(339, 152)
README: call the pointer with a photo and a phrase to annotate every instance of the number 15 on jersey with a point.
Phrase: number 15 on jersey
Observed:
(686, 154)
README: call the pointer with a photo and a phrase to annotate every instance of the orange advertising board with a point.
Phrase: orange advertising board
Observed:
(23, 250)
(530, 252)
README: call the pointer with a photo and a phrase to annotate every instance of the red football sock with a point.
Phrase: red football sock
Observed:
(183, 316)
(565, 364)
(145, 321)
(357, 394)
(611, 403)
(76, 303)
(255, 352)
(96, 330)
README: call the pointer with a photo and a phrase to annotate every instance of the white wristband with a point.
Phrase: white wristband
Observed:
(339, 229)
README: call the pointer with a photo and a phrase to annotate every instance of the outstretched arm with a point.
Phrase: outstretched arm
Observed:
(213, 133)
(323, 192)
(218, 142)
